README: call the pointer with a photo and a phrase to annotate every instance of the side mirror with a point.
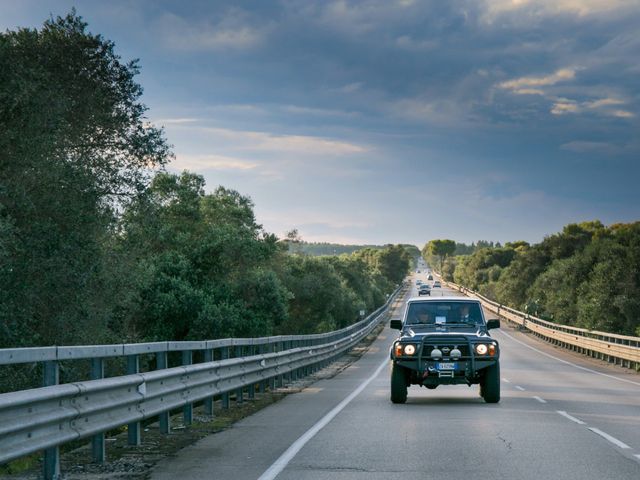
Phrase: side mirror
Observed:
(396, 324)
(493, 323)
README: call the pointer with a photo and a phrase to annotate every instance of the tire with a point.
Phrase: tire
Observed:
(490, 384)
(398, 384)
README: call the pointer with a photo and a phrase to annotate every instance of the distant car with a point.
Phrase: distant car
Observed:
(424, 290)
(437, 284)
(418, 282)
(430, 277)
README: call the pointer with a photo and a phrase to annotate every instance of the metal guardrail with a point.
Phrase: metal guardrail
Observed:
(619, 349)
(47, 417)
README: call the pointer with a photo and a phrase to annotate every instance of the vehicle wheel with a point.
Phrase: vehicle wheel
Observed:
(398, 384)
(490, 384)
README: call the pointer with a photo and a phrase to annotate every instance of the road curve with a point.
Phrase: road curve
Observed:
(561, 416)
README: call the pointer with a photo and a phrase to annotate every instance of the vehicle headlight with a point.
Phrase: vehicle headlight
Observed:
(404, 349)
(481, 349)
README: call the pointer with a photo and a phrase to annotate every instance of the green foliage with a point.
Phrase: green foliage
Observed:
(204, 263)
(74, 145)
(322, 248)
(464, 249)
(392, 262)
(483, 266)
(587, 276)
(438, 250)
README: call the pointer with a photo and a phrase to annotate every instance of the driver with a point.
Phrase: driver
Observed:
(424, 317)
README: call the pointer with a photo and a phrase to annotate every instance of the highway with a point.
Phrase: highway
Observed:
(562, 415)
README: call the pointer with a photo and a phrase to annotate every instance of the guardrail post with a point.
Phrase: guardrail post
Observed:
(133, 429)
(252, 387)
(292, 375)
(239, 392)
(97, 441)
(162, 361)
(280, 378)
(187, 410)
(272, 381)
(51, 463)
(208, 402)
(263, 383)
(225, 353)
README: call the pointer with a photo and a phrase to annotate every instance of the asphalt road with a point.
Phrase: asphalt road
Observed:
(562, 416)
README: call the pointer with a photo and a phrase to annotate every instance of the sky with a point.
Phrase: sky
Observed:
(382, 121)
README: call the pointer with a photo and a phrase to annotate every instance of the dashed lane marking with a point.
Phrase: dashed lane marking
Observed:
(505, 380)
(573, 419)
(541, 400)
(608, 437)
(569, 363)
(520, 388)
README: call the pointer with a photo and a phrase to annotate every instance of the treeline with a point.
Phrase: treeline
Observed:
(98, 244)
(587, 276)
(318, 249)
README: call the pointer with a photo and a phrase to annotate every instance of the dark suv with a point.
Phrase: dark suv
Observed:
(424, 289)
(445, 341)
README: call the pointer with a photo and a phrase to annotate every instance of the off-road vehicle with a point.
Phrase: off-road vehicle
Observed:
(445, 341)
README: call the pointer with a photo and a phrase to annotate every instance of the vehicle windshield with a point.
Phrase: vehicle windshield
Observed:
(444, 313)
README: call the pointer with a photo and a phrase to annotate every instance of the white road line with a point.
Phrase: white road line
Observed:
(568, 363)
(541, 400)
(606, 436)
(573, 419)
(637, 456)
(505, 380)
(520, 388)
(284, 459)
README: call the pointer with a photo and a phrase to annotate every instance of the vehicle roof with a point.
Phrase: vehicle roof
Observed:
(443, 299)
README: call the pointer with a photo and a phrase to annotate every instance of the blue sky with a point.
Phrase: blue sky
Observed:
(392, 121)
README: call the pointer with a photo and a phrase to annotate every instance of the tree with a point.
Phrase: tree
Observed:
(439, 249)
(204, 264)
(75, 147)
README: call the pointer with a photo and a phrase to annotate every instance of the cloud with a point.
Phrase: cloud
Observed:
(308, 145)
(231, 32)
(562, 105)
(524, 84)
(583, 146)
(211, 162)
(407, 42)
(350, 88)
(600, 107)
(539, 9)
(321, 112)
(175, 121)
(604, 102)
(270, 142)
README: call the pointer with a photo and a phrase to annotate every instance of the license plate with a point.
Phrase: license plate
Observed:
(446, 366)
